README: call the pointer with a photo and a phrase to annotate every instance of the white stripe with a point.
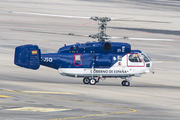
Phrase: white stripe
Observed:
(157, 61)
(6, 49)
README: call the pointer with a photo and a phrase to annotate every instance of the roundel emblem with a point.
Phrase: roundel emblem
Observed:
(119, 63)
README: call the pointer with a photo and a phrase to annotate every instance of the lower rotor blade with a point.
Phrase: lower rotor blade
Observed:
(129, 38)
(114, 37)
(153, 39)
(60, 33)
(117, 19)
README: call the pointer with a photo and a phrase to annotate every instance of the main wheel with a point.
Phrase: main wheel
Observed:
(125, 83)
(86, 80)
(92, 81)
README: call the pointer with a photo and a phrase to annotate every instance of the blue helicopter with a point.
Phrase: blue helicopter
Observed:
(91, 61)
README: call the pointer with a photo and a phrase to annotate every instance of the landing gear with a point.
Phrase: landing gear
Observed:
(125, 83)
(91, 81)
(86, 80)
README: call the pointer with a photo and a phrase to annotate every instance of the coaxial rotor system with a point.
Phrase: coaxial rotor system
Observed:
(102, 22)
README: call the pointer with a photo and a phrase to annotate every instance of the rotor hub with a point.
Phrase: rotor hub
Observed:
(102, 22)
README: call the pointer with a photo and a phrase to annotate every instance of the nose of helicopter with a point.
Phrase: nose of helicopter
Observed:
(148, 67)
(147, 62)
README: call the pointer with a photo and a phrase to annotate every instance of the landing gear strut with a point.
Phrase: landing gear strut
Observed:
(98, 78)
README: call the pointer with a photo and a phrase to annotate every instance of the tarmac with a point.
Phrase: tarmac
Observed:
(44, 94)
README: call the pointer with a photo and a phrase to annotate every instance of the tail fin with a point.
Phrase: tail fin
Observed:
(28, 56)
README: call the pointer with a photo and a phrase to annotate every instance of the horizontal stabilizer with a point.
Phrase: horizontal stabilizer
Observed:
(28, 56)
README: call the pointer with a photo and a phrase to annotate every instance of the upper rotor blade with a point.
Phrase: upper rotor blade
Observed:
(60, 33)
(51, 15)
(119, 19)
(97, 18)
(152, 39)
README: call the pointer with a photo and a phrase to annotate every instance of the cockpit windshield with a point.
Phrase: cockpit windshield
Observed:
(145, 58)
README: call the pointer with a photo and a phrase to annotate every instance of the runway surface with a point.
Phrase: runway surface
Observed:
(46, 95)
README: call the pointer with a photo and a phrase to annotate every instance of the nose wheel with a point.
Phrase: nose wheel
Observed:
(125, 83)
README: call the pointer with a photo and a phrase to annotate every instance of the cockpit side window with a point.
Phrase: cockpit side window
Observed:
(134, 58)
(145, 58)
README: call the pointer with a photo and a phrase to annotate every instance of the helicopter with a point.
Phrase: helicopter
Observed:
(91, 61)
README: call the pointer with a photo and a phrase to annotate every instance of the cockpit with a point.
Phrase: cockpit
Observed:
(147, 60)
(145, 57)
(138, 59)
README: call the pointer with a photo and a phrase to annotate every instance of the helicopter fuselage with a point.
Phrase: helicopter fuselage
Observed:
(98, 59)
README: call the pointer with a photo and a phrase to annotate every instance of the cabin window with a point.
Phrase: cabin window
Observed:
(134, 58)
(77, 57)
(119, 57)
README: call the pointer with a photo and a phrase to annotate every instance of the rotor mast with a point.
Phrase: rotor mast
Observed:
(102, 22)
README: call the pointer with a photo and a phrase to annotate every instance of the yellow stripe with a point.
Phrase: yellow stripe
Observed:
(129, 110)
(45, 92)
(4, 96)
(51, 92)
(93, 115)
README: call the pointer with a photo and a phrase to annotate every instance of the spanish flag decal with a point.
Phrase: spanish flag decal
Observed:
(34, 52)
